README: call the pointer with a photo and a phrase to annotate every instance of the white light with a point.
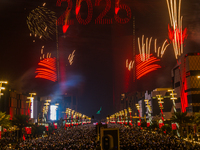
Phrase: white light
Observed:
(53, 112)
(31, 107)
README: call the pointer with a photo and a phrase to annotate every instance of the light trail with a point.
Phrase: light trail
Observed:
(47, 69)
(130, 64)
(176, 34)
(144, 48)
(71, 57)
(161, 50)
(41, 22)
(144, 67)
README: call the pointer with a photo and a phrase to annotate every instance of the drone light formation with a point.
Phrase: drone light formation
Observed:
(176, 35)
(41, 22)
(144, 67)
(47, 69)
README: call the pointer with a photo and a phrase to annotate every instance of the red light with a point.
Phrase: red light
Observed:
(184, 99)
(144, 67)
(179, 34)
(49, 72)
(65, 27)
(78, 9)
(125, 7)
(90, 11)
(99, 19)
(61, 19)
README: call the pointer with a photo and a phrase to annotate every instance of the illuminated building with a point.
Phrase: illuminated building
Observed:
(65, 101)
(130, 99)
(186, 83)
(17, 104)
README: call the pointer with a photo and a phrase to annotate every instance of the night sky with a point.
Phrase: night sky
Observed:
(101, 50)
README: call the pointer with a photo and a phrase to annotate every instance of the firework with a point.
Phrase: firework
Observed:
(144, 49)
(78, 6)
(144, 67)
(176, 35)
(47, 69)
(130, 64)
(161, 50)
(66, 25)
(117, 6)
(71, 57)
(42, 22)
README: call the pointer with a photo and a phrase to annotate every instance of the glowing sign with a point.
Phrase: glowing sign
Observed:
(53, 112)
(31, 107)
(100, 19)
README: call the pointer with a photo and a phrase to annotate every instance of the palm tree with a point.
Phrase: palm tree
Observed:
(197, 118)
(21, 121)
(5, 120)
(182, 119)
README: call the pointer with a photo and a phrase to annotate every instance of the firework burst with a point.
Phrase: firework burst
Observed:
(42, 22)
(144, 67)
(176, 33)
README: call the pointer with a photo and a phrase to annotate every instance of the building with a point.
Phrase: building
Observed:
(131, 99)
(186, 83)
(16, 103)
(167, 103)
(63, 101)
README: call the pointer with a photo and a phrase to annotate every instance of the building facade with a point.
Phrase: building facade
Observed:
(186, 83)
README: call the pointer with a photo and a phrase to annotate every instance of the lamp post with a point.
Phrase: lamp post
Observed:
(148, 110)
(173, 98)
(125, 116)
(160, 102)
(30, 104)
(47, 107)
(138, 108)
(2, 88)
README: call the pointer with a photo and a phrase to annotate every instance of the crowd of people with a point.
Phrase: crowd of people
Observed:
(85, 138)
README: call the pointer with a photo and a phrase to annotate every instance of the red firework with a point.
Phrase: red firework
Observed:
(47, 69)
(144, 67)
(181, 36)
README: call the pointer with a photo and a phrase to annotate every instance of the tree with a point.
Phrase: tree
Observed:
(5, 120)
(21, 121)
(182, 119)
(197, 118)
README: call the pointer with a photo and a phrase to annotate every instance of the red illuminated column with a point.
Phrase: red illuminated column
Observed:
(138, 108)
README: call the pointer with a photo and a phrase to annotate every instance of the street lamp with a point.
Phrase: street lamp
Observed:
(47, 107)
(160, 102)
(30, 104)
(1, 87)
(138, 108)
(148, 110)
(173, 98)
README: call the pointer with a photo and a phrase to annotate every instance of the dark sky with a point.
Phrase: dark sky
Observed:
(101, 50)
